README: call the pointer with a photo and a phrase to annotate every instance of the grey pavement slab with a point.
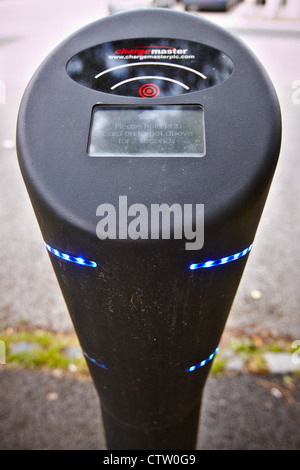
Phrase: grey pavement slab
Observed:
(39, 411)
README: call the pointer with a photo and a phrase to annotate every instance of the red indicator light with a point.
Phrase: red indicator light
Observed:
(149, 90)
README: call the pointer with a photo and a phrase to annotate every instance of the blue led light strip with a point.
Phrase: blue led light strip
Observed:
(95, 362)
(202, 363)
(73, 259)
(225, 260)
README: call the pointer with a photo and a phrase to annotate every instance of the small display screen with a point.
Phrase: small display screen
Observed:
(147, 131)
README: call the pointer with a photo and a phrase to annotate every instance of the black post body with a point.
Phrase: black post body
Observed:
(142, 316)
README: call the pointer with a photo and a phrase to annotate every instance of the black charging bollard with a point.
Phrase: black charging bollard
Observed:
(148, 142)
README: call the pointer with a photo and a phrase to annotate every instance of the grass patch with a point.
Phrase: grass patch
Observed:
(27, 348)
(40, 348)
(218, 365)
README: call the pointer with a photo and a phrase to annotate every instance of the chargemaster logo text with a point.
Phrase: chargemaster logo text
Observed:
(151, 52)
(146, 50)
(165, 221)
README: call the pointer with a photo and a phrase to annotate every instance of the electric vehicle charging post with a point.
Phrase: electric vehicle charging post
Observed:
(148, 142)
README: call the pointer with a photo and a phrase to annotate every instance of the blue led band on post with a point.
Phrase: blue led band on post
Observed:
(94, 361)
(73, 259)
(225, 260)
(202, 363)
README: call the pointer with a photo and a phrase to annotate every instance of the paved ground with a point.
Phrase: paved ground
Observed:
(41, 411)
(241, 412)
